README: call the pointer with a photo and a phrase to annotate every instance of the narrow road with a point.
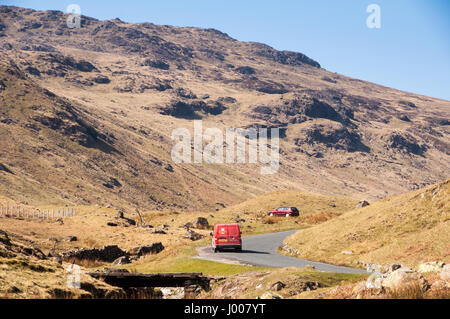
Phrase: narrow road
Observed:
(261, 250)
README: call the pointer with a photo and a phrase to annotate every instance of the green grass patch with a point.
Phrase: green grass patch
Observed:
(189, 264)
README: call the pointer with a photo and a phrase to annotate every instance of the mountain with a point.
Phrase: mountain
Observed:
(87, 114)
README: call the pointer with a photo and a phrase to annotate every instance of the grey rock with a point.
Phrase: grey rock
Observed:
(392, 267)
(157, 231)
(201, 223)
(362, 204)
(278, 286)
(107, 254)
(121, 261)
(445, 273)
(270, 295)
(71, 238)
(404, 277)
(192, 235)
(428, 267)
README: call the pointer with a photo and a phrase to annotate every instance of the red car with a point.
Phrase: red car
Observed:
(284, 211)
(227, 237)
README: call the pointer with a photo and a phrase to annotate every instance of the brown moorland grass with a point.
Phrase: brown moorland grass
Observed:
(408, 229)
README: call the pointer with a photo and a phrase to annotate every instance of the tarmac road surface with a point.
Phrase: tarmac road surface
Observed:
(261, 250)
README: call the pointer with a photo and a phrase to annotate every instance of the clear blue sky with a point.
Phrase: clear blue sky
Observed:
(411, 50)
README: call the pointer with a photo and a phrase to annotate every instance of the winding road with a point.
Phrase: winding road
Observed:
(261, 250)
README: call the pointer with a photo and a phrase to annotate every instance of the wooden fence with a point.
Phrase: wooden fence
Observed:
(12, 211)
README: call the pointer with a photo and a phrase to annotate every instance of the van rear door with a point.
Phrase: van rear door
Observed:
(234, 234)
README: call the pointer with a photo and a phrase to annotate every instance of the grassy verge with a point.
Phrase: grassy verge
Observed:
(182, 259)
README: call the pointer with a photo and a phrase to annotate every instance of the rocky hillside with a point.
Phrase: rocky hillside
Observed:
(86, 117)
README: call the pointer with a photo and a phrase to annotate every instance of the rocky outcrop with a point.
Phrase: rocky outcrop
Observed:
(278, 286)
(283, 57)
(140, 251)
(106, 254)
(10, 248)
(406, 143)
(433, 266)
(194, 236)
(270, 295)
(121, 261)
(403, 278)
(159, 64)
(445, 273)
(5, 169)
(247, 70)
(200, 223)
(195, 109)
(335, 136)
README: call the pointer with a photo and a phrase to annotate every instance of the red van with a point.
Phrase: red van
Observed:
(227, 236)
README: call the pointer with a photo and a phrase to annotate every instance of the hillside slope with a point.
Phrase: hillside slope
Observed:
(100, 103)
(408, 229)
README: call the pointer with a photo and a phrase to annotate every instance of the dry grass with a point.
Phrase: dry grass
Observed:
(86, 263)
(318, 218)
(270, 220)
(408, 229)
(407, 292)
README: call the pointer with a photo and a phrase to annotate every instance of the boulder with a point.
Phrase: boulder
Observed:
(120, 214)
(156, 231)
(445, 273)
(201, 223)
(188, 225)
(278, 286)
(362, 204)
(309, 285)
(192, 235)
(392, 267)
(403, 278)
(113, 270)
(101, 79)
(112, 224)
(4, 238)
(347, 252)
(155, 248)
(270, 295)
(71, 238)
(434, 266)
(121, 261)
(239, 220)
(107, 254)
